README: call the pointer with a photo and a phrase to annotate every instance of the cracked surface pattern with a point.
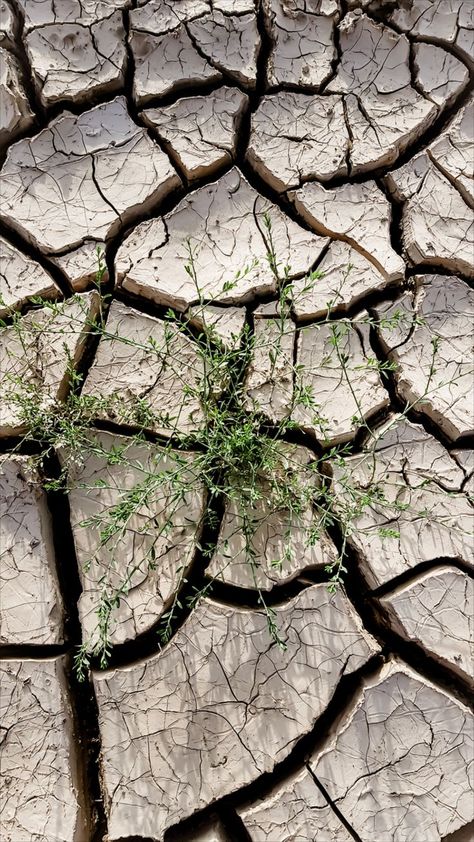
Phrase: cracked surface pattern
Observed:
(437, 610)
(345, 393)
(38, 756)
(200, 132)
(297, 812)
(296, 177)
(161, 534)
(412, 744)
(208, 702)
(81, 177)
(177, 44)
(358, 214)
(21, 278)
(128, 373)
(75, 49)
(416, 470)
(51, 340)
(440, 310)
(30, 607)
(225, 220)
(15, 112)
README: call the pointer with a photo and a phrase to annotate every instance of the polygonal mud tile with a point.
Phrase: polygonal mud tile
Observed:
(178, 44)
(223, 226)
(384, 110)
(283, 542)
(21, 278)
(15, 111)
(453, 150)
(437, 611)
(269, 378)
(37, 352)
(337, 369)
(449, 22)
(438, 227)
(149, 552)
(42, 795)
(440, 75)
(422, 514)
(200, 132)
(147, 373)
(296, 136)
(450, 154)
(398, 766)
(81, 178)
(356, 213)
(437, 188)
(76, 50)
(432, 347)
(30, 605)
(222, 325)
(302, 36)
(297, 811)
(347, 277)
(80, 266)
(219, 696)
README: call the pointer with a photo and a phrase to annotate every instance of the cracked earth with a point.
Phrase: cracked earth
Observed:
(134, 125)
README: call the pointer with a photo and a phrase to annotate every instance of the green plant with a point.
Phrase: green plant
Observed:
(240, 457)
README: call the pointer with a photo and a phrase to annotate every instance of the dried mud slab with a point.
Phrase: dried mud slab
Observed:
(449, 154)
(219, 697)
(281, 543)
(75, 50)
(384, 110)
(398, 767)
(30, 606)
(146, 372)
(39, 762)
(437, 189)
(200, 133)
(151, 549)
(36, 355)
(439, 75)
(437, 611)
(449, 22)
(21, 278)
(295, 812)
(302, 36)
(336, 368)
(347, 278)
(15, 112)
(358, 214)
(189, 42)
(423, 514)
(370, 112)
(432, 347)
(81, 178)
(297, 137)
(222, 226)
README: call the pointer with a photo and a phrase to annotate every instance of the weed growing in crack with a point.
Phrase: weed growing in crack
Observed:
(242, 461)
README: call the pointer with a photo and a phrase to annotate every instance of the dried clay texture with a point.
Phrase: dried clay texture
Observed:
(222, 223)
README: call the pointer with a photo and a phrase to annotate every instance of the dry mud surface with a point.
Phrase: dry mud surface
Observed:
(134, 125)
